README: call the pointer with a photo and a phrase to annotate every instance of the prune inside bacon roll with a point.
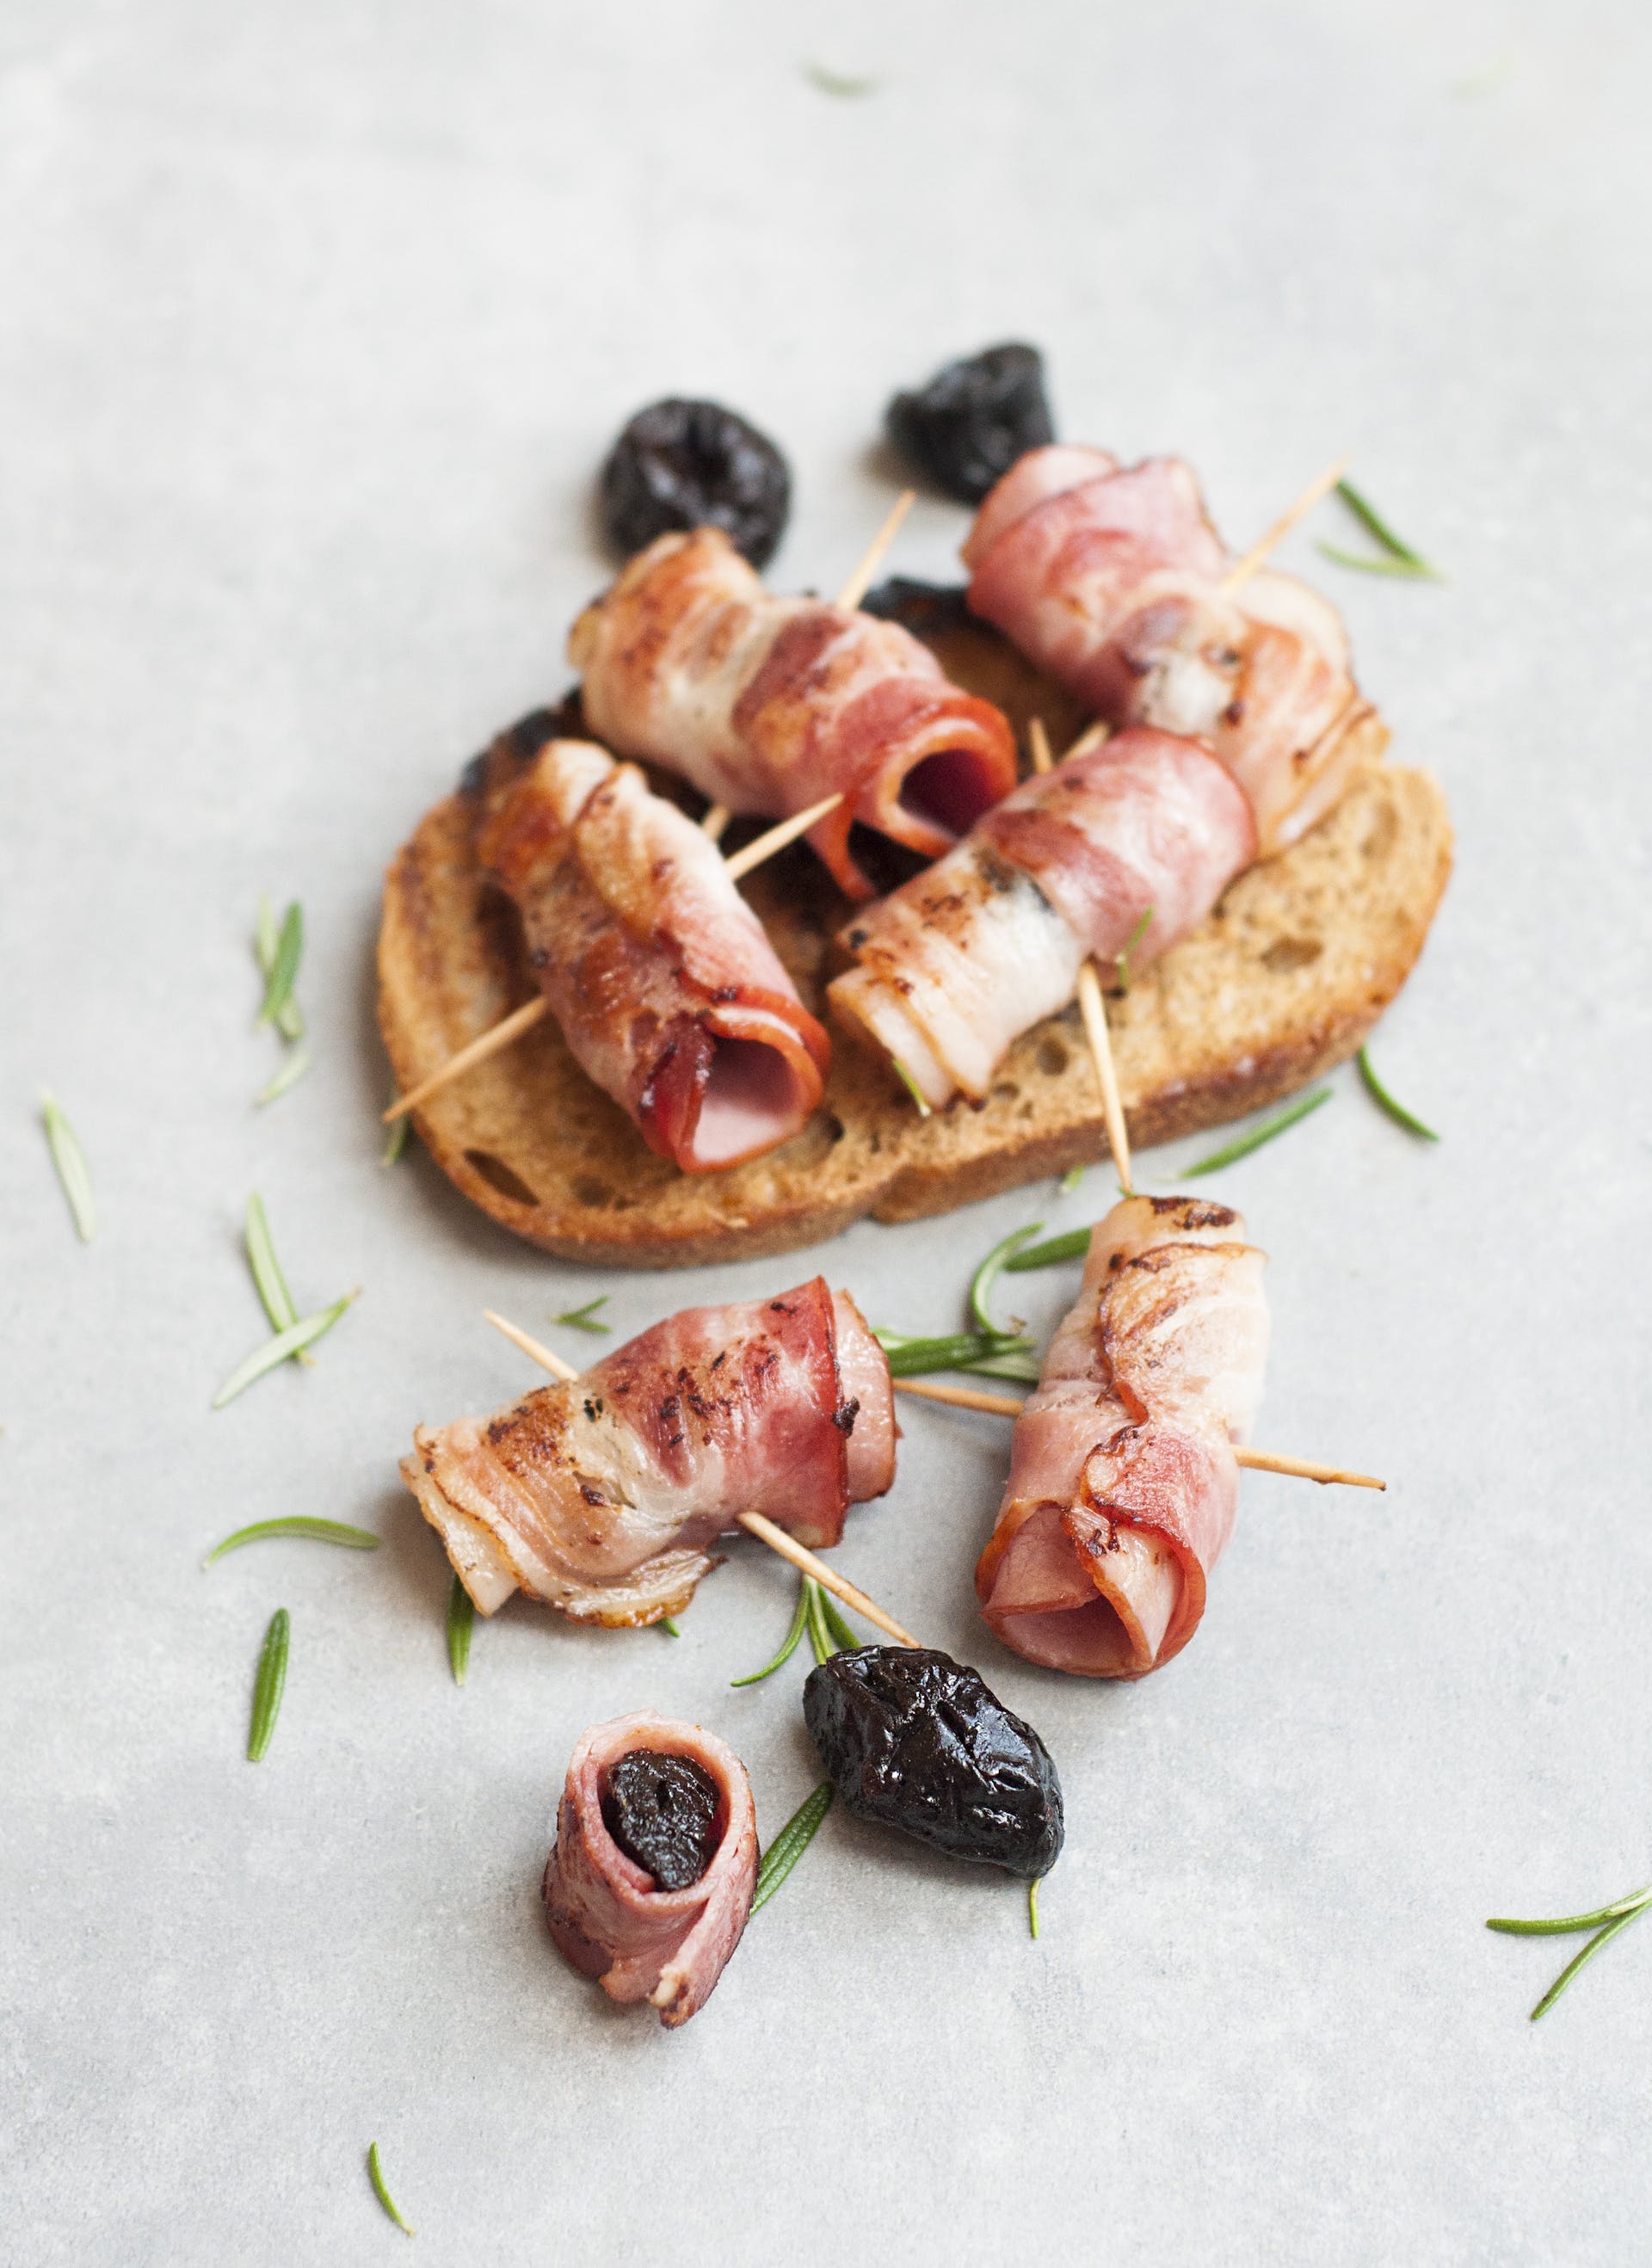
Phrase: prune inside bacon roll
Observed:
(655, 967)
(768, 704)
(664, 1932)
(1122, 1484)
(600, 1496)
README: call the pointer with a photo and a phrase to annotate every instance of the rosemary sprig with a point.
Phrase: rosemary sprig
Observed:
(293, 1065)
(395, 1141)
(988, 1273)
(912, 1088)
(790, 1843)
(788, 1644)
(847, 86)
(1072, 1244)
(1002, 1354)
(1304, 1106)
(271, 1684)
(70, 1161)
(584, 1318)
(316, 1531)
(275, 1351)
(1398, 558)
(1396, 1110)
(1122, 958)
(375, 2174)
(462, 1623)
(1605, 1922)
(289, 1018)
(282, 973)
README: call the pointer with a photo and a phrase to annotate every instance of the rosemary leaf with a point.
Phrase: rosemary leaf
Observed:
(260, 1259)
(276, 1350)
(668, 1627)
(270, 1685)
(1569, 1923)
(788, 1644)
(395, 1141)
(375, 2174)
(1072, 1244)
(829, 82)
(584, 1318)
(1397, 1111)
(462, 1623)
(283, 967)
(1382, 534)
(1122, 958)
(912, 1087)
(1032, 1904)
(289, 1019)
(1601, 1937)
(294, 1064)
(70, 1160)
(1304, 1106)
(1399, 568)
(819, 1637)
(989, 1271)
(836, 1622)
(317, 1531)
(998, 1354)
(1070, 1179)
(790, 1843)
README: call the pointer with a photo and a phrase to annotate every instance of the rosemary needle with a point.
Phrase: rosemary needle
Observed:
(912, 1087)
(668, 1627)
(788, 1644)
(462, 1623)
(289, 1018)
(1070, 1179)
(584, 1319)
(1072, 1244)
(819, 1637)
(1303, 1108)
(1121, 957)
(316, 1531)
(836, 1622)
(294, 1064)
(271, 1683)
(1396, 1110)
(998, 1354)
(790, 1843)
(988, 1273)
(1606, 1921)
(395, 1141)
(1404, 560)
(1032, 1904)
(849, 87)
(275, 1351)
(375, 2174)
(283, 967)
(70, 1160)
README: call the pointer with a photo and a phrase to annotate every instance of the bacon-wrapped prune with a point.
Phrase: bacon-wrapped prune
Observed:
(661, 1810)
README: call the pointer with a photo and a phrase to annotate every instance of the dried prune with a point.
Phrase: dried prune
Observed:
(914, 1740)
(927, 610)
(661, 1810)
(694, 464)
(966, 428)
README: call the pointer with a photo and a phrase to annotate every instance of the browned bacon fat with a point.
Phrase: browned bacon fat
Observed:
(768, 704)
(610, 1915)
(654, 966)
(600, 1497)
(960, 961)
(1122, 1484)
(1111, 579)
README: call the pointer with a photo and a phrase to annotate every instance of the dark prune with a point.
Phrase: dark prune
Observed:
(916, 1740)
(966, 428)
(694, 464)
(926, 609)
(661, 1810)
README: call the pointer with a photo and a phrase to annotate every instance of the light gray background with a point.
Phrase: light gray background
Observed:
(317, 320)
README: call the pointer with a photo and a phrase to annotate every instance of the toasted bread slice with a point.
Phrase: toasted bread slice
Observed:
(1285, 979)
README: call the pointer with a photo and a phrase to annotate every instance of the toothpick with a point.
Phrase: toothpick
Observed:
(532, 1012)
(754, 1522)
(860, 582)
(1092, 1008)
(1259, 552)
(716, 819)
(1260, 1461)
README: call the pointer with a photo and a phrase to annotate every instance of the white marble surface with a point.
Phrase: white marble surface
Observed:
(318, 317)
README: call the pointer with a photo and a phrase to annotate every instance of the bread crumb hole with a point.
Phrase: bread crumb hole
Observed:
(500, 1176)
(1052, 1058)
(1287, 954)
(1380, 840)
(588, 1190)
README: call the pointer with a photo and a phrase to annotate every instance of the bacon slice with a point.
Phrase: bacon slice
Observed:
(958, 963)
(608, 1917)
(1122, 1484)
(600, 1497)
(1110, 579)
(768, 704)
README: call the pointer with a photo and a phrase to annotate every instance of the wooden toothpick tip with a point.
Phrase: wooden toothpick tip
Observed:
(532, 1348)
(714, 821)
(860, 582)
(488, 1043)
(1259, 553)
(741, 863)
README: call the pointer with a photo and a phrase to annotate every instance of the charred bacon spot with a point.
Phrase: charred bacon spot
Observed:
(845, 1415)
(662, 1811)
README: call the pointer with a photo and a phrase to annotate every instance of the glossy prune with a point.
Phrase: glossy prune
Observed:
(662, 1810)
(913, 1740)
(966, 428)
(694, 464)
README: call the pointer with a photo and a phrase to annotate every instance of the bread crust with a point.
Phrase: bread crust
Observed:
(1284, 980)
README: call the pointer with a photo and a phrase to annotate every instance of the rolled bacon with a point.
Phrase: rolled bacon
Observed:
(659, 972)
(1111, 579)
(958, 963)
(769, 704)
(600, 1496)
(1123, 1483)
(608, 1915)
